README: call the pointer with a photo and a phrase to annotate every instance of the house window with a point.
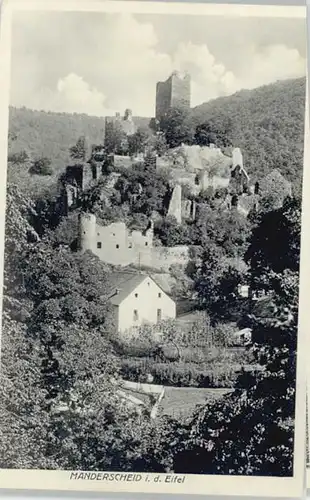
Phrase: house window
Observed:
(117, 246)
(130, 245)
(98, 244)
(136, 295)
(159, 295)
(146, 243)
(158, 314)
(135, 315)
(98, 234)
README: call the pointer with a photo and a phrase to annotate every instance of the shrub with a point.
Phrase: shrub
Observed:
(138, 345)
(41, 166)
(192, 355)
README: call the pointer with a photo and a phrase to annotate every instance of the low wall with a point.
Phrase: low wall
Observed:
(139, 387)
(164, 257)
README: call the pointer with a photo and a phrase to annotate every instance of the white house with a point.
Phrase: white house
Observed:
(137, 299)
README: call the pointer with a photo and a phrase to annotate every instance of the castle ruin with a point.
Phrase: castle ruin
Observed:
(115, 244)
(126, 123)
(173, 93)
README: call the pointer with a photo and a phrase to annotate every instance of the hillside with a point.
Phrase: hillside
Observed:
(50, 134)
(267, 123)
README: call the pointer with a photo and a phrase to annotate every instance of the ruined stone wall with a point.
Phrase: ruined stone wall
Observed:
(125, 123)
(116, 245)
(161, 258)
(164, 257)
(189, 209)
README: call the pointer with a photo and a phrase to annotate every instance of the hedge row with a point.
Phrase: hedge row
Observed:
(179, 374)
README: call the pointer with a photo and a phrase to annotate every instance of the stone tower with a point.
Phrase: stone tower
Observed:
(86, 232)
(173, 93)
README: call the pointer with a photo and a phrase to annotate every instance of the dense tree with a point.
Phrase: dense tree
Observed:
(208, 133)
(177, 126)
(18, 231)
(59, 406)
(79, 150)
(115, 138)
(137, 142)
(275, 244)
(23, 412)
(41, 166)
(171, 233)
(264, 401)
(144, 189)
(216, 280)
(267, 123)
(22, 407)
(157, 144)
(226, 228)
(273, 190)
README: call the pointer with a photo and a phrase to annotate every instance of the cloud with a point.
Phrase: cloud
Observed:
(275, 62)
(109, 63)
(70, 95)
(76, 95)
(209, 77)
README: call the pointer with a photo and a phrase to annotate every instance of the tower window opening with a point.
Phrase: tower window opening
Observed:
(99, 244)
(117, 246)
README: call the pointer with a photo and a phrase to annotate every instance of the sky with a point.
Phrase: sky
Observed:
(101, 63)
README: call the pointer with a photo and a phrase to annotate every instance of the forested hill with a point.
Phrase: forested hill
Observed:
(267, 123)
(42, 133)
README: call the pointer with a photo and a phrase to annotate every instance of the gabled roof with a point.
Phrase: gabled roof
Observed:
(121, 284)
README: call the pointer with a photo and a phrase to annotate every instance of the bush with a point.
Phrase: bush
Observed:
(138, 346)
(41, 166)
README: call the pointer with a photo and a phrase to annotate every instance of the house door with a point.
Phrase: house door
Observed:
(158, 315)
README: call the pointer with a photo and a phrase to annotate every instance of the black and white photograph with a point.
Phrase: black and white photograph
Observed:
(152, 204)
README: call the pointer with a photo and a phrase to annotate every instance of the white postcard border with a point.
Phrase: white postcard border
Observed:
(193, 484)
